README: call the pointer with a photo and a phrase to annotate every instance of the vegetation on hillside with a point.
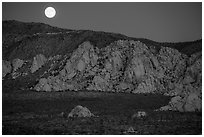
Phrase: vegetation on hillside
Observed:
(20, 41)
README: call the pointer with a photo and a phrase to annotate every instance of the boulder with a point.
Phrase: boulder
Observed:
(43, 81)
(42, 85)
(139, 114)
(17, 63)
(6, 68)
(46, 87)
(80, 111)
(38, 62)
(164, 108)
(177, 103)
(189, 103)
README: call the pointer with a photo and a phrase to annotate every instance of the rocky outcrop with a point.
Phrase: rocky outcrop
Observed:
(147, 86)
(130, 66)
(17, 63)
(6, 68)
(53, 84)
(43, 85)
(107, 71)
(11, 67)
(189, 89)
(38, 62)
(188, 103)
(80, 66)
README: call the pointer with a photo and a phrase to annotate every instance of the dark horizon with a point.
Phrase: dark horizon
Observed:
(160, 29)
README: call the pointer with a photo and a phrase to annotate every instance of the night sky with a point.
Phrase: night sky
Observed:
(162, 22)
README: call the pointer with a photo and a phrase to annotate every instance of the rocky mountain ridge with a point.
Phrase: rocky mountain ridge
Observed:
(87, 60)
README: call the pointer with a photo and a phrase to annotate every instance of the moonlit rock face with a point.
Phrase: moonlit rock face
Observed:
(50, 12)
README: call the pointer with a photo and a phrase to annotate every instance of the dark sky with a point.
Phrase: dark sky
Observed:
(162, 22)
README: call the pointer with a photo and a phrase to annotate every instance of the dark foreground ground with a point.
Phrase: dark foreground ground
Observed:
(28, 112)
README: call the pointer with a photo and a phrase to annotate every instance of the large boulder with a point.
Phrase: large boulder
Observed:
(177, 103)
(38, 62)
(80, 111)
(6, 68)
(42, 85)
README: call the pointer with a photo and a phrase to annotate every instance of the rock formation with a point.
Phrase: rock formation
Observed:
(129, 66)
(188, 95)
(53, 59)
(6, 68)
(188, 103)
(139, 114)
(17, 63)
(38, 62)
(80, 111)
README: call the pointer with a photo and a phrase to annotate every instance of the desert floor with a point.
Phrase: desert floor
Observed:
(29, 112)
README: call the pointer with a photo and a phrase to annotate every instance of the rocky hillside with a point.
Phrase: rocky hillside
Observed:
(45, 58)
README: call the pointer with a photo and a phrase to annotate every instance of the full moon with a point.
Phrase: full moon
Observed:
(50, 12)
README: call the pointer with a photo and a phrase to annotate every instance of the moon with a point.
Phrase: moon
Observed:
(50, 12)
